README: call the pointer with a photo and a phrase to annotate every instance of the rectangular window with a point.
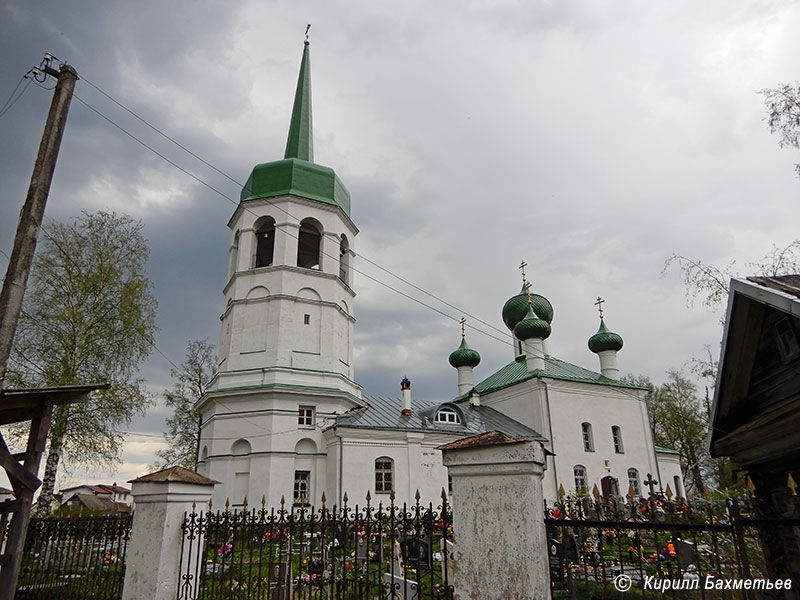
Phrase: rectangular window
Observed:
(616, 434)
(301, 481)
(383, 475)
(306, 319)
(305, 416)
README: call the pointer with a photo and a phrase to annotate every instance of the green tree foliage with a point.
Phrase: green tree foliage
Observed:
(88, 317)
(183, 425)
(783, 110)
(679, 422)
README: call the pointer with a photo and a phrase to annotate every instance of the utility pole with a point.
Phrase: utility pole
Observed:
(30, 220)
(23, 475)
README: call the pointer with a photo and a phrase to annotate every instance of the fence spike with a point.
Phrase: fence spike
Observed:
(227, 503)
(369, 497)
(283, 501)
(444, 495)
(209, 505)
(596, 493)
(323, 499)
(791, 484)
(263, 502)
(245, 502)
(194, 505)
(668, 493)
(751, 486)
(631, 491)
(561, 492)
(417, 496)
(392, 496)
(344, 498)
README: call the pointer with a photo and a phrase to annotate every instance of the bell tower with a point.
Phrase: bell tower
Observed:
(288, 314)
(285, 361)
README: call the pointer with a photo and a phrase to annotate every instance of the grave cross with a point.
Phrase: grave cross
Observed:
(599, 305)
(651, 483)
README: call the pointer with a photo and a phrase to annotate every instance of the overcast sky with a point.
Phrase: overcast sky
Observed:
(591, 139)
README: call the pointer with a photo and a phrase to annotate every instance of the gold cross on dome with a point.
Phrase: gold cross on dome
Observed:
(463, 322)
(599, 305)
(522, 266)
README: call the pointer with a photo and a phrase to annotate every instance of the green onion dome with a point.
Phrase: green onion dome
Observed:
(517, 307)
(604, 340)
(464, 356)
(532, 326)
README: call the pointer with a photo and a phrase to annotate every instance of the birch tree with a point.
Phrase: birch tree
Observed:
(88, 317)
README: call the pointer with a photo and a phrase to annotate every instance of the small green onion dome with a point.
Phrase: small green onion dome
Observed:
(532, 326)
(604, 340)
(517, 307)
(464, 356)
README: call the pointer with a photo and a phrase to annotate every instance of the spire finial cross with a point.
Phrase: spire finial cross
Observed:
(525, 283)
(307, 28)
(463, 324)
(599, 305)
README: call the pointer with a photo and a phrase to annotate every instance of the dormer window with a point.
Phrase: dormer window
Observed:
(447, 415)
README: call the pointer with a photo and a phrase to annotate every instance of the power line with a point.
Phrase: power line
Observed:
(11, 99)
(234, 202)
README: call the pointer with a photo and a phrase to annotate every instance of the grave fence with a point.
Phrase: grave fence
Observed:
(374, 551)
(658, 546)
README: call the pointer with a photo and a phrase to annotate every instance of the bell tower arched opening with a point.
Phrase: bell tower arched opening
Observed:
(265, 242)
(309, 244)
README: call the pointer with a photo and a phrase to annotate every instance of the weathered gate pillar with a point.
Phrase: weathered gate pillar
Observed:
(154, 551)
(500, 548)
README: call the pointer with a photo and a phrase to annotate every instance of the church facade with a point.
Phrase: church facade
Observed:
(285, 420)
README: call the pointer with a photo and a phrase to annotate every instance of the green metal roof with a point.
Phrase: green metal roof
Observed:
(517, 371)
(300, 143)
(297, 174)
(665, 450)
(605, 339)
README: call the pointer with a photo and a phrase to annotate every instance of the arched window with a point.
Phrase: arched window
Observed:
(588, 438)
(265, 243)
(616, 434)
(579, 471)
(309, 243)
(447, 415)
(344, 260)
(633, 481)
(384, 474)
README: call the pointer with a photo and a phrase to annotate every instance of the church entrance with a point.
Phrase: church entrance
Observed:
(609, 487)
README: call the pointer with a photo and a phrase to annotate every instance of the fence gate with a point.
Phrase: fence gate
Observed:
(349, 553)
(74, 557)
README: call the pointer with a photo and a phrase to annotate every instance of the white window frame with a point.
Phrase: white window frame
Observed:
(616, 436)
(302, 486)
(582, 477)
(448, 416)
(305, 416)
(384, 485)
(633, 480)
(588, 437)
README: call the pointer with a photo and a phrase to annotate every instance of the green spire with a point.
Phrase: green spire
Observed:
(300, 143)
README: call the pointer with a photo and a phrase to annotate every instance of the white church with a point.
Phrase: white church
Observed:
(285, 419)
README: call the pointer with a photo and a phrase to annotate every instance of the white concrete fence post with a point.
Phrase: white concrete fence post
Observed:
(500, 548)
(154, 551)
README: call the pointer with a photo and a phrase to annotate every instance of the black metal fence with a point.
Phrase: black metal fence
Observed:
(658, 546)
(344, 553)
(75, 557)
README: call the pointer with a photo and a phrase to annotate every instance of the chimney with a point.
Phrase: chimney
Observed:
(474, 399)
(405, 396)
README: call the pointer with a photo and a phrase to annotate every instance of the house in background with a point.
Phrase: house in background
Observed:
(756, 410)
(110, 496)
